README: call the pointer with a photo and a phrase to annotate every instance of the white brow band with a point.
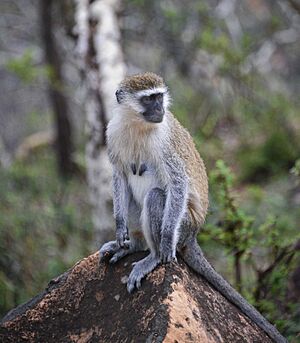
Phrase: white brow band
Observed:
(147, 92)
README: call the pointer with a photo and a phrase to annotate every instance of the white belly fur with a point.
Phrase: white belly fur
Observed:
(141, 185)
(130, 140)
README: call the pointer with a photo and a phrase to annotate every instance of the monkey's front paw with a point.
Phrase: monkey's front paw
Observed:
(122, 236)
(167, 254)
(113, 252)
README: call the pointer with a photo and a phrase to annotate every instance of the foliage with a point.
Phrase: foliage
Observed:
(45, 227)
(23, 67)
(229, 105)
(26, 68)
(29, 71)
(296, 169)
(237, 110)
(262, 258)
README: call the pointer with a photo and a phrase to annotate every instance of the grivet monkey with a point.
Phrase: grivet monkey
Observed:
(160, 185)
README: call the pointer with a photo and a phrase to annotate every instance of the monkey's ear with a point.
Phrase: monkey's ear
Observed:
(119, 94)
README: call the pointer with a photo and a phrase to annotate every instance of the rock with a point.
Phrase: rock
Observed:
(89, 303)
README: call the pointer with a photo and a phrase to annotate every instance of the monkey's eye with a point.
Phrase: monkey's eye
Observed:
(146, 100)
(159, 97)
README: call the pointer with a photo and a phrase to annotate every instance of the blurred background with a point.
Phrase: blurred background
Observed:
(233, 70)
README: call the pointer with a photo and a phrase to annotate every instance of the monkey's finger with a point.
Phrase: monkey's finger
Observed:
(113, 260)
(130, 287)
(138, 283)
(120, 242)
(107, 250)
(118, 255)
(162, 258)
(170, 258)
(166, 258)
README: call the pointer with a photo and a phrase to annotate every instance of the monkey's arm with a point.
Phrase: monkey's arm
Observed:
(121, 195)
(174, 207)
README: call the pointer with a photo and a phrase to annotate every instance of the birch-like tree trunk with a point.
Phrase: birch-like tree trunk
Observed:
(101, 61)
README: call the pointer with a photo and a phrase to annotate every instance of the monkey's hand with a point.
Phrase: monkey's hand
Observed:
(122, 235)
(167, 252)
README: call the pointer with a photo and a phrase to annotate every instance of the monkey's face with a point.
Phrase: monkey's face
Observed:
(144, 96)
(153, 107)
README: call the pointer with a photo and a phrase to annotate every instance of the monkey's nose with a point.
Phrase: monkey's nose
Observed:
(159, 110)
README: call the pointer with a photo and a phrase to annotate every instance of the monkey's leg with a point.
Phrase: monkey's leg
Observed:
(140, 270)
(152, 215)
(135, 243)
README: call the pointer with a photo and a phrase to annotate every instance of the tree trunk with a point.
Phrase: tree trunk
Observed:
(64, 145)
(5, 158)
(101, 62)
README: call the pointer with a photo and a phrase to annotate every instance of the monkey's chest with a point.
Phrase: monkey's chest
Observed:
(142, 178)
(139, 156)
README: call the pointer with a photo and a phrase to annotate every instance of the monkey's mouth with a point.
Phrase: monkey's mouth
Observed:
(154, 116)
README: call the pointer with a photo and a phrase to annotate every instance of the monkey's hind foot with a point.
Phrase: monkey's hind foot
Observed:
(140, 270)
(113, 251)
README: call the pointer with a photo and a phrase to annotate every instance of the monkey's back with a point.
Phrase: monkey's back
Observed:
(184, 145)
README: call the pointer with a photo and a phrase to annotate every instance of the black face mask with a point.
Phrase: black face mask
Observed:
(154, 109)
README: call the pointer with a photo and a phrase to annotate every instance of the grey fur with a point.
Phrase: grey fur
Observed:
(127, 214)
(169, 228)
(155, 205)
(114, 252)
(121, 197)
(193, 256)
(175, 206)
(140, 270)
(154, 195)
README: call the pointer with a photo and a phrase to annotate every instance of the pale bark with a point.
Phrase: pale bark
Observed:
(101, 61)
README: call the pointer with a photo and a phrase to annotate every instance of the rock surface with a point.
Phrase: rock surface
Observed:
(90, 303)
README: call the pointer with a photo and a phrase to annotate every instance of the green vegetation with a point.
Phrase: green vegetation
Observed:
(45, 226)
(27, 70)
(237, 113)
(261, 250)
(252, 232)
(24, 67)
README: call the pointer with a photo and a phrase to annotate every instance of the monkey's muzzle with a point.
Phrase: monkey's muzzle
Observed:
(155, 114)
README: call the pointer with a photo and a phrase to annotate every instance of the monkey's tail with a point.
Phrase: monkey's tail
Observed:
(193, 256)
